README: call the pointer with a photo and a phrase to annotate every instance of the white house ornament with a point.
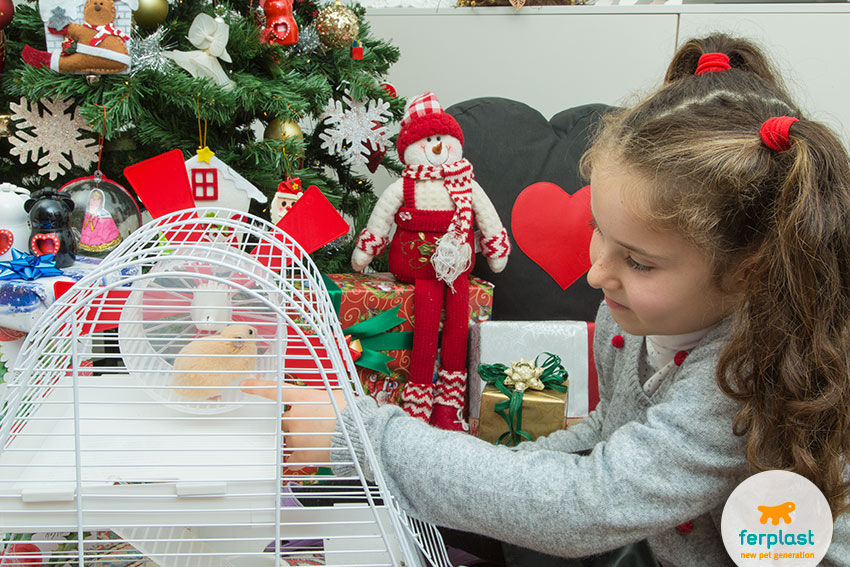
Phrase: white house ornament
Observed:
(52, 138)
(210, 36)
(216, 184)
(84, 36)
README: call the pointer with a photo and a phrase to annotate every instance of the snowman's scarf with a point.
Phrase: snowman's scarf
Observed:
(453, 255)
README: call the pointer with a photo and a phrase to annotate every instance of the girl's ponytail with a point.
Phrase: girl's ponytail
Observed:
(787, 361)
(742, 55)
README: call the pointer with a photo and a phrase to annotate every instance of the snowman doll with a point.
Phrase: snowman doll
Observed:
(434, 206)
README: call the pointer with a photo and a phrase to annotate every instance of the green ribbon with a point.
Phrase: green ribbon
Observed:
(553, 377)
(374, 333)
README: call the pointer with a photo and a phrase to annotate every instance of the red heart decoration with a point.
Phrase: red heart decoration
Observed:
(553, 228)
(42, 244)
(6, 240)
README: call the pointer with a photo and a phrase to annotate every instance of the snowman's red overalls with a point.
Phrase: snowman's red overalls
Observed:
(411, 247)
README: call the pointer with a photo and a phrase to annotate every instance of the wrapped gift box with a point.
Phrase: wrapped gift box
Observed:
(508, 341)
(542, 413)
(361, 297)
(22, 302)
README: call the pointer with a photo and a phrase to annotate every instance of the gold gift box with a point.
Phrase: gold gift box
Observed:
(543, 411)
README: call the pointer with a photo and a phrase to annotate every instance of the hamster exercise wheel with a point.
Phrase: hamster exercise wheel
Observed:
(156, 447)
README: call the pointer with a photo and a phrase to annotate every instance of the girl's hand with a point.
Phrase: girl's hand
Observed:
(304, 409)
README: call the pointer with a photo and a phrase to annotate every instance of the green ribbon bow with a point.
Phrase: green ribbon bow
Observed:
(513, 380)
(374, 333)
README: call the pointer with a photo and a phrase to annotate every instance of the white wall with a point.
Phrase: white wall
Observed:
(554, 58)
(548, 61)
(809, 48)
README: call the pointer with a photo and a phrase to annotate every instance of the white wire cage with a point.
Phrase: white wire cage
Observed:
(157, 446)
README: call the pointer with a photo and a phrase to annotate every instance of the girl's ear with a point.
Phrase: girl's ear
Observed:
(737, 281)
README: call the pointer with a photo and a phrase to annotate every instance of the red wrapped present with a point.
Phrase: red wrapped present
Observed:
(362, 299)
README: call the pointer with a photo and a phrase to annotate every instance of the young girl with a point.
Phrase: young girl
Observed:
(722, 246)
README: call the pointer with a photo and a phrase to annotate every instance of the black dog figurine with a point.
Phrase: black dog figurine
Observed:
(50, 229)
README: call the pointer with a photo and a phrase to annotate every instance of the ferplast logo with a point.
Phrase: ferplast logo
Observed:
(776, 518)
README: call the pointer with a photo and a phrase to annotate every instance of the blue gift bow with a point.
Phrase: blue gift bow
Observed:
(28, 266)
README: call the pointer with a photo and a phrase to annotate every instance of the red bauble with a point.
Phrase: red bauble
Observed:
(7, 12)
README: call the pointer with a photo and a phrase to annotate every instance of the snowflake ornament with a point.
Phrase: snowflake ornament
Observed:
(356, 128)
(55, 135)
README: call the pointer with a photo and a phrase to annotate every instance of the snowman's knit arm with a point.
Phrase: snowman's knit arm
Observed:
(381, 220)
(486, 216)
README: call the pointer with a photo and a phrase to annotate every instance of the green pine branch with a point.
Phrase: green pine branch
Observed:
(149, 112)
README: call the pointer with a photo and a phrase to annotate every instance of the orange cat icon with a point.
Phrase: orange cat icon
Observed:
(776, 513)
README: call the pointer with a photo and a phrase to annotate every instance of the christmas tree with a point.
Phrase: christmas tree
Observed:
(248, 113)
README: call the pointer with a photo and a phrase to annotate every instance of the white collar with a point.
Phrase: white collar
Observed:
(660, 349)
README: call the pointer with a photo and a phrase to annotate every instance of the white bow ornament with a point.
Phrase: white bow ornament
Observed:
(210, 36)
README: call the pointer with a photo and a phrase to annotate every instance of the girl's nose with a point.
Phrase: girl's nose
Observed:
(438, 148)
(599, 276)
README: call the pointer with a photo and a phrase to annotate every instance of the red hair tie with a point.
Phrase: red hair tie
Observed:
(774, 132)
(709, 62)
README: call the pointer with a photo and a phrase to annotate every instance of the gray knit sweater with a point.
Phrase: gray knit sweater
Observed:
(656, 462)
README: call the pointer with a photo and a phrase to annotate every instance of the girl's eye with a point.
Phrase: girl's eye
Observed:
(637, 265)
(592, 224)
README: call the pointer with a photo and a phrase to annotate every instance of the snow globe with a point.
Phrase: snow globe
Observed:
(104, 214)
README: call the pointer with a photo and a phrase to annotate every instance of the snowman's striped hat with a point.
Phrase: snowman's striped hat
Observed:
(425, 117)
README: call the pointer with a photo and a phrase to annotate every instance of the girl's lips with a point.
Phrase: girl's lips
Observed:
(614, 305)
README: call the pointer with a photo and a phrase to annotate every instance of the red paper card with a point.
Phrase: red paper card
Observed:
(161, 183)
(312, 222)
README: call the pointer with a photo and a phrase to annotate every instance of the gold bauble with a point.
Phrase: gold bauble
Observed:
(151, 13)
(5, 123)
(276, 128)
(337, 26)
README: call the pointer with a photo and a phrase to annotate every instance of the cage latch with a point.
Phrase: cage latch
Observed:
(47, 495)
